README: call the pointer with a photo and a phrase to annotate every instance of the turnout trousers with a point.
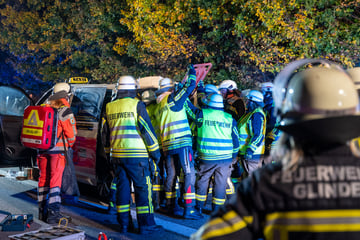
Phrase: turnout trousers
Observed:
(51, 168)
(173, 164)
(220, 172)
(137, 172)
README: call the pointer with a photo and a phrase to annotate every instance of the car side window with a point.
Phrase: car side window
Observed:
(12, 101)
(86, 103)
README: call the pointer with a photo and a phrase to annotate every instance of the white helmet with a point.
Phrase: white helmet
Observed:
(256, 96)
(319, 102)
(228, 84)
(61, 87)
(165, 83)
(215, 100)
(126, 83)
(267, 87)
(355, 75)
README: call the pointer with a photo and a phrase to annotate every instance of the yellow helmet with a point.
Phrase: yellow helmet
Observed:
(317, 103)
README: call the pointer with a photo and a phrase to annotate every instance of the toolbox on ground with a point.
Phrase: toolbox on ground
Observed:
(53, 233)
(14, 222)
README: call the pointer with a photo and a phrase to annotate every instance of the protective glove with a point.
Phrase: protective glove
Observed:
(191, 70)
(201, 86)
(248, 154)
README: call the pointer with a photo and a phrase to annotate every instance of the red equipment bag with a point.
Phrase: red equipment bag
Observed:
(39, 127)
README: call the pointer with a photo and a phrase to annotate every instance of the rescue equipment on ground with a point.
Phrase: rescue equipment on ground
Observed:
(39, 127)
(14, 222)
(102, 236)
(53, 233)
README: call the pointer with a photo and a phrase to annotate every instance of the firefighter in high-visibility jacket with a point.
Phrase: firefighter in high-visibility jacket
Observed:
(157, 170)
(217, 146)
(52, 162)
(177, 144)
(132, 141)
(203, 94)
(252, 127)
(312, 191)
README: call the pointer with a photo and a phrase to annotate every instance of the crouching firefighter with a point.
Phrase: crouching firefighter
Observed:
(52, 162)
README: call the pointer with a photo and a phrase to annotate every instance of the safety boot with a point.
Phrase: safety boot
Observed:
(54, 216)
(42, 211)
(192, 213)
(57, 218)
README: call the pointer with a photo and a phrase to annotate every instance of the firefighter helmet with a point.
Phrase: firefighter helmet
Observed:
(267, 87)
(126, 83)
(215, 100)
(165, 83)
(255, 96)
(355, 75)
(319, 103)
(228, 84)
(210, 88)
(61, 87)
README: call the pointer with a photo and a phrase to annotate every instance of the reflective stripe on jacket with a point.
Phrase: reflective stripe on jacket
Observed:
(125, 138)
(174, 127)
(66, 126)
(251, 135)
(214, 141)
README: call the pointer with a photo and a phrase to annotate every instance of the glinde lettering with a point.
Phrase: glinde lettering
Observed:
(326, 182)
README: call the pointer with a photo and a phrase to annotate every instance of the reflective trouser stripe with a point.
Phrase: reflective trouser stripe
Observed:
(157, 188)
(218, 201)
(279, 224)
(123, 208)
(42, 193)
(189, 196)
(230, 189)
(142, 210)
(150, 207)
(201, 198)
(54, 195)
(170, 195)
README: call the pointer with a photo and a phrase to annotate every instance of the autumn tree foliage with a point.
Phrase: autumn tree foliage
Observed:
(247, 41)
(60, 39)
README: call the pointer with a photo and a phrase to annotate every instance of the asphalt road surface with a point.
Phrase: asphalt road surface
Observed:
(88, 214)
